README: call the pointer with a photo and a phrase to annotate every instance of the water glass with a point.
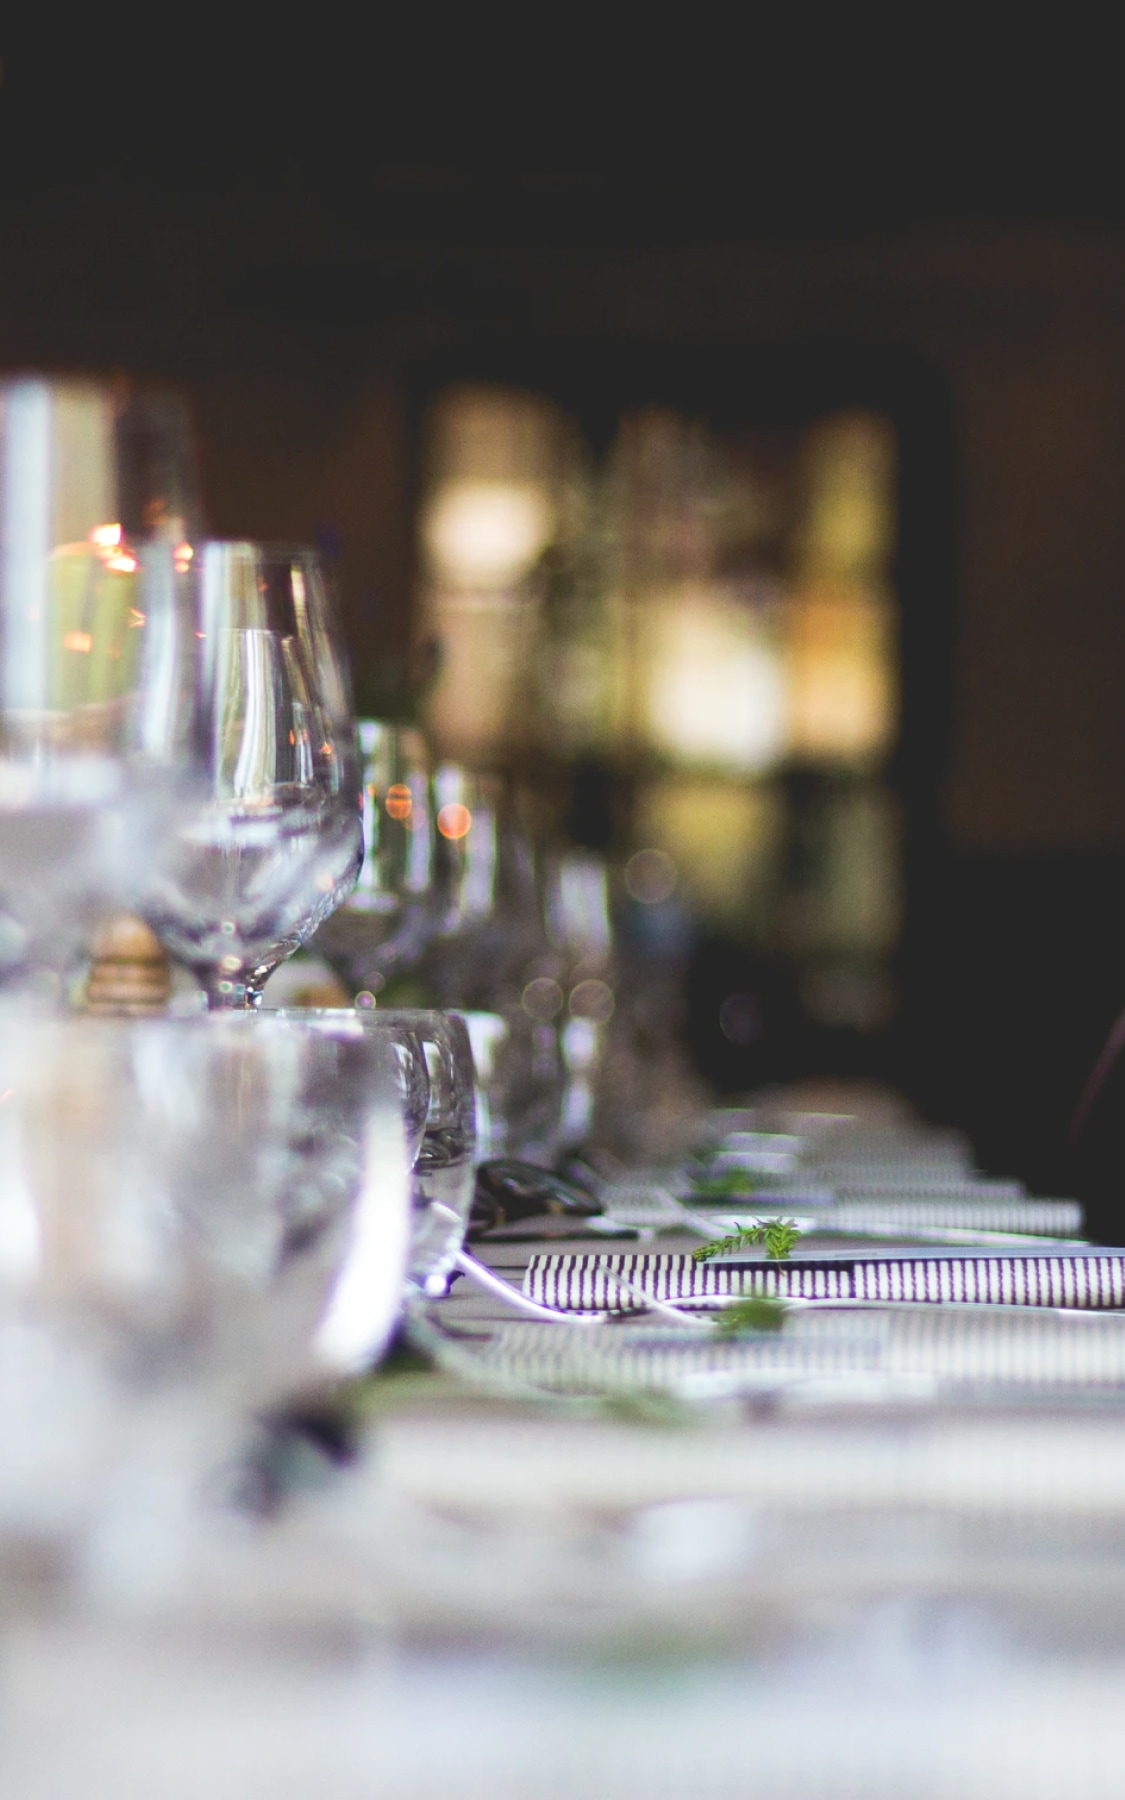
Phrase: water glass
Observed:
(197, 1217)
(404, 1056)
(444, 1171)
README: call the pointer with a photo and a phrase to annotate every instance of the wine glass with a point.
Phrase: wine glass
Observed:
(489, 925)
(445, 1167)
(242, 1237)
(276, 842)
(404, 1047)
(521, 1082)
(97, 719)
(444, 1112)
(382, 929)
(583, 965)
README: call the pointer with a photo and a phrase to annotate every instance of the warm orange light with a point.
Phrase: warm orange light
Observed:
(121, 563)
(454, 820)
(105, 537)
(135, 618)
(842, 692)
(400, 801)
(78, 640)
(183, 553)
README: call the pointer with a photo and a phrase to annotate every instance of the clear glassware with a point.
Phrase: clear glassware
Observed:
(97, 707)
(406, 1048)
(581, 931)
(489, 908)
(445, 1167)
(382, 929)
(243, 1234)
(521, 1083)
(444, 1110)
(276, 842)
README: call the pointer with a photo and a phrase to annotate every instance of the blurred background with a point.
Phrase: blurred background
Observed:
(728, 438)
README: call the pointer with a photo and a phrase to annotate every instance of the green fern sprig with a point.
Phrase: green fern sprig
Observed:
(781, 1237)
(754, 1312)
(732, 1183)
(778, 1235)
(742, 1239)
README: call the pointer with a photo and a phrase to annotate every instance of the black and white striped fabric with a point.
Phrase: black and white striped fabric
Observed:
(1088, 1280)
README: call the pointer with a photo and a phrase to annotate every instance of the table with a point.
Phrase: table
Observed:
(515, 1599)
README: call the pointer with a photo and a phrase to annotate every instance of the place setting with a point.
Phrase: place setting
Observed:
(365, 1250)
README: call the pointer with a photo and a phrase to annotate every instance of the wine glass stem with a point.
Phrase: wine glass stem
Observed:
(231, 993)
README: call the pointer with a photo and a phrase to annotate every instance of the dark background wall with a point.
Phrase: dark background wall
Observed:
(290, 231)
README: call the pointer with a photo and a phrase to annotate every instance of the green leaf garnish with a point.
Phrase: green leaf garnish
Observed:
(754, 1312)
(721, 1187)
(741, 1239)
(778, 1236)
(781, 1236)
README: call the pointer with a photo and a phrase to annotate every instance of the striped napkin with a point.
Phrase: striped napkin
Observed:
(1083, 1278)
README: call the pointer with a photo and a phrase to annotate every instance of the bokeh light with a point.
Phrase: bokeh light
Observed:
(651, 876)
(454, 820)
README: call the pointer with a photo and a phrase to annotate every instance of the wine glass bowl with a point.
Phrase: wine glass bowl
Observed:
(96, 709)
(275, 843)
(521, 1080)
(383, 928)
(489, 924)
(242, 1234)
(430, 1060)
(444, 1168)
(405, 1055)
